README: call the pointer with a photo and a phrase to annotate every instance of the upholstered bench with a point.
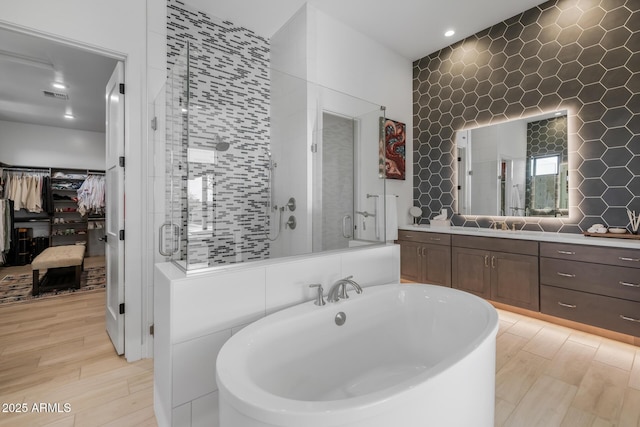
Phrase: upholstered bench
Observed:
(57, 259)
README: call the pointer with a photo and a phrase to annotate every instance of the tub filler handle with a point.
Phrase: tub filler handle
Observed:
(339, 289)
(319, 297)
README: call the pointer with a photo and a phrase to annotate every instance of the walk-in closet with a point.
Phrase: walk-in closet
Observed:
(43, 207)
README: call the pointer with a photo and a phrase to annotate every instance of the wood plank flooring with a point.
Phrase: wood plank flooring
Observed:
(57, 351)
(549, 375)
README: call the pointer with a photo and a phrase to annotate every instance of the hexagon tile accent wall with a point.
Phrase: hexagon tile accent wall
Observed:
(579, 55)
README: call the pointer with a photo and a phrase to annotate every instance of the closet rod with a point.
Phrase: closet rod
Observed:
(24, 169)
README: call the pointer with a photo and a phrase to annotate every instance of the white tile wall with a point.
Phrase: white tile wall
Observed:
(288, 283)
(205, 309)
(214, 302)
(182, 415)
(204, 410)
(194, 366)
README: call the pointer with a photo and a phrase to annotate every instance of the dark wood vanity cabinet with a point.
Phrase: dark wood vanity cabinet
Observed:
(599, 286)
(425, 257)
(502, 270)
(594, 285)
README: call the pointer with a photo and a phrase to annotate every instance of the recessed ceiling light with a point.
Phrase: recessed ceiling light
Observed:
(69, 116)
(449, 33)
(58, 85)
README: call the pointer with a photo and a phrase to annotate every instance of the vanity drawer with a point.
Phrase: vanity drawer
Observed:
(525, 247)
(619, 282)
(597, 310)
(598, 254)
(424, 237)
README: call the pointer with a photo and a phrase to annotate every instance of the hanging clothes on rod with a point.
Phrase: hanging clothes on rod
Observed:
(25, 187)
(91, 195)
(6, 228)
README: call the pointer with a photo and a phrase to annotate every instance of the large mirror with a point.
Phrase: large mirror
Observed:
(515, 168)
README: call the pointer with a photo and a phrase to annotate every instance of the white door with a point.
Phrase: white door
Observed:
(114, 199)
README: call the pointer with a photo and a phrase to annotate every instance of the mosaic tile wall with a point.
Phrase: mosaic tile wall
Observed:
(545, 138)
(579, 55)
(228, 103)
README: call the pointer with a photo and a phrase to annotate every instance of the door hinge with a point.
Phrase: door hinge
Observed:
(152, 329)
(121, 234)
(154, 123)
(121, 161)
(121, 308)
(314, 148)
(459, 187)
(122, 88)
(459, 158)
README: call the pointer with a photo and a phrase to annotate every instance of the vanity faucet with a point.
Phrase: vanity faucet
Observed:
(339, 289)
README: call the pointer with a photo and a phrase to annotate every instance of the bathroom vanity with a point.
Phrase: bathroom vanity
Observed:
(589, 280)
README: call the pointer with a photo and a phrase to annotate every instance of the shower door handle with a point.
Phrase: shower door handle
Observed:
(347, 231)
(176, 241)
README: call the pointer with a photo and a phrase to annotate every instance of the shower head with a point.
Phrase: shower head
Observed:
(222, 146)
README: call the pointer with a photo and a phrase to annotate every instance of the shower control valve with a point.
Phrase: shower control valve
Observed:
(291, 223)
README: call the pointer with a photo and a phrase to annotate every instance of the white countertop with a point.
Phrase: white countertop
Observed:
(528, 235)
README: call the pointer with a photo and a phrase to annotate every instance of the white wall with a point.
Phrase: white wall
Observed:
(345, 60)
(118, 29)
(317, 47)
(24, 144)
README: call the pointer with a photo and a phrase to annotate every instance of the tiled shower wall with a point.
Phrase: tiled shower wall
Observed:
(228, 102)
(579, 55)
(544, 138)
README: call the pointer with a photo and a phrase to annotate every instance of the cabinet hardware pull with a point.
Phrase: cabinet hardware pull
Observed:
(629, 319)
(622, 258)
(418, 251)
(493, 262)
(632, 285)
(566, 305)
(566, 274)
(423, 249)
(486, 260)
(566, 252)
(435, 239)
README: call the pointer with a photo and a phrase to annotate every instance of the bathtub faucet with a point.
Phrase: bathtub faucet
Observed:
(339, 289)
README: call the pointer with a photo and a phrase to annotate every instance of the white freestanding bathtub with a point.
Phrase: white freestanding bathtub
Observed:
(407, 355)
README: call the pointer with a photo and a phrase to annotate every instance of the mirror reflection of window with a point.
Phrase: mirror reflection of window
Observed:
(547, 165)
(529, 158)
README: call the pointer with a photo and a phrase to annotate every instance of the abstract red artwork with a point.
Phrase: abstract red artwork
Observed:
(392, 141)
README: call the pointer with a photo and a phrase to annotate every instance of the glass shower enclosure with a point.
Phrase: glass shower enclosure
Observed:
(260, 164)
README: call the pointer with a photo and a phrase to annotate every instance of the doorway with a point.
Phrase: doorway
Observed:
(52, 116)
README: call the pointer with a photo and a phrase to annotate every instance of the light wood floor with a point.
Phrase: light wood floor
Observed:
(57, 351)
(548, 375)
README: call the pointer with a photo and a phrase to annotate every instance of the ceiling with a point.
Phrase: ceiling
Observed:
(29, 65)
(412, 28)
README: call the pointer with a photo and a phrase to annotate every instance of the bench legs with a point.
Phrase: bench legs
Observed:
(35, 290)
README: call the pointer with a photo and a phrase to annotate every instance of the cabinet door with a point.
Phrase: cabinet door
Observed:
(436, 261)
(514, 280)
(410, 261)
(471, 271)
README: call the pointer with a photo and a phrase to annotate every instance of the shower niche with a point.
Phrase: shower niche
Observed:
(260, 164)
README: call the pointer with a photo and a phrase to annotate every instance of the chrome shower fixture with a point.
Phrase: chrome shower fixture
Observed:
(220, 145)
